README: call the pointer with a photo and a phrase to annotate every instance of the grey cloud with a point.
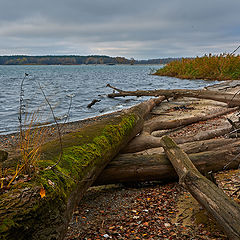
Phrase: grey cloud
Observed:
(136, 28)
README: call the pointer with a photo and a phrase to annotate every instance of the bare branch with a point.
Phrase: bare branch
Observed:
(58, 129)
(114, 88)
(235, 50)
(21, 106)
(93, 102)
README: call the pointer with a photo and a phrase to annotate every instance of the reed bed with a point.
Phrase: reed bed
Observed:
(208, 67)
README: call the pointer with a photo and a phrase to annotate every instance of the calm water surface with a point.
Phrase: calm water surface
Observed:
(81, 83)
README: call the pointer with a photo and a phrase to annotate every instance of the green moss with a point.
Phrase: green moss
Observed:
(78, 159)
(6, 224)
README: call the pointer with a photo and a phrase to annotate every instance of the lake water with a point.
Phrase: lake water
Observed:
(81, 84)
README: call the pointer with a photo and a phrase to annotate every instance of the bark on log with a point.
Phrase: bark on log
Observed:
(222, 208)
(127, 168)
(25, 214)
(231, 99)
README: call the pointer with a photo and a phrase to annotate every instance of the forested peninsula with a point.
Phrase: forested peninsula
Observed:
(76, 60)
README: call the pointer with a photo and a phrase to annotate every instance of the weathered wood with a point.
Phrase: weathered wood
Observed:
(157, 124)
(222, 208)
(197, 146)
(207, 156)
(25, 214)
(146, 141)
(231, 99)
(203, 135)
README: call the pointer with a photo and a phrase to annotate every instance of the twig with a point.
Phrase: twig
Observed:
(235, 127)
(234, 159)
(236, 191)
(117, 89)
(21, 107)
(69, 108)
(233, 97)
(58, 129)
(232, 123)
(235, 50)
(233, 131)
(102, 224)
(93, 102)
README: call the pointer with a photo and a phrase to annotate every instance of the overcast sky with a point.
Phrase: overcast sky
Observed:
(141, 29)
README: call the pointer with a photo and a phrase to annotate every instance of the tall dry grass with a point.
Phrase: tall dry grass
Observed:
(211, 67)
(31, 140)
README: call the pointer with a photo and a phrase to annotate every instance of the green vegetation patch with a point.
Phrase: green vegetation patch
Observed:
(212, 67)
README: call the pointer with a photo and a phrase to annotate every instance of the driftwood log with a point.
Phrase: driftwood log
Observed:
(156, 124)
(222, 208)
(232, 100)
(41, 208)
(147, 139)
(206, 156)
(144, 141)
(94, 101)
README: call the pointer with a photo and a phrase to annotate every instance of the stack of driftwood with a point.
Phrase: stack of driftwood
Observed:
(185, 134)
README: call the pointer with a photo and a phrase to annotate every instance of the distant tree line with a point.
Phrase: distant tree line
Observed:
(75, 60)
(157, 61)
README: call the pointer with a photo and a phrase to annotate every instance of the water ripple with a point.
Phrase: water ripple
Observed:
(85, 83)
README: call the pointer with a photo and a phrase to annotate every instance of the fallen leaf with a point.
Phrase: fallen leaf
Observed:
(42, 192)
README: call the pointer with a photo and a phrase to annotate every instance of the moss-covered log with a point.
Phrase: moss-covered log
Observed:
(222, 208)
(41, 208)
(206, 156)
